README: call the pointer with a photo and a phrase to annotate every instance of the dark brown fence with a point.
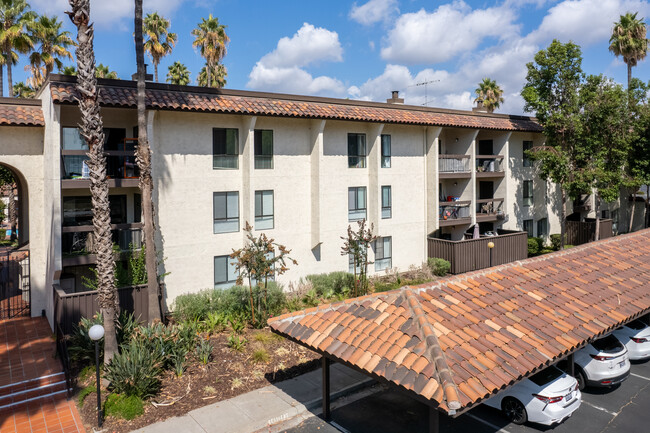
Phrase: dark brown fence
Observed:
(474, 254)
(69, 308)
(581, 232)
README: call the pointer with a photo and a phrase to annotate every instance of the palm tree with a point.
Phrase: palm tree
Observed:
(37, 77)
(490, 93)
(178, 74)
(218, 75)
(102, 71)
(15, 20)
(92, 132)
(159, 41)
(22, 90)
(211, 38)
(68, 70)
(629, 41)
(54, 43)
(143, 159)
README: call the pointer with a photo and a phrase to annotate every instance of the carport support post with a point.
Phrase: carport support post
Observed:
(572, 366)
(327, 414)
(434, 420)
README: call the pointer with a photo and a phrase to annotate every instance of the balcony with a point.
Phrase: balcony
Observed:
(490, 209)
(78, 243)
(121, 167)
(454, 167)
(489, 166)
(474, 254)
(453, 213)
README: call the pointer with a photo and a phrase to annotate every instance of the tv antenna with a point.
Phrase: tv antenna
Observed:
(426, 86)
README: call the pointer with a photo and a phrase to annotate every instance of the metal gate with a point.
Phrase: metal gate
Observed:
(14, 284)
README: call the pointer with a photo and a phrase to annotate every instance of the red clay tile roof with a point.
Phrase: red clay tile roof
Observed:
(117, 93)
(460, 340)
(14, 113)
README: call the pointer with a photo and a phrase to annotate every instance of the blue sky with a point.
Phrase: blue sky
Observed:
(365, 49)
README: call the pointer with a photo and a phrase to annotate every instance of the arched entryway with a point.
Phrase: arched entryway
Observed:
(15, 293)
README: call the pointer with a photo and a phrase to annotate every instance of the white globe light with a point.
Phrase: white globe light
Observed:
(96, 332)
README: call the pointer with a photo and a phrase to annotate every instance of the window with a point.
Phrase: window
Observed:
(528, 227)
(71, 139)
(78, 211)
(356, 203)
(225, 273)
(385, 151)
(386, 202)
(137, 208)
(528, 193)
(542, 227)
(263, 210)
(356, 150)
(528, 145)
(225, 148)
(263, 149)
(383, 253)
(226, 212)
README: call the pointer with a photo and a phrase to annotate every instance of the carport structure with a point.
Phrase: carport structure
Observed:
(458, 341)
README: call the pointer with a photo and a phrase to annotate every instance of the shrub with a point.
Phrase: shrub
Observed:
(203, 351)
(123, 406)
(192, 306)
(556, 240)
(236, 343)
(439, 267)
(334, 283)
(533, 247)
(125, 327)
(80, 347)
(261, 355)
(135, 371)
(3, 234)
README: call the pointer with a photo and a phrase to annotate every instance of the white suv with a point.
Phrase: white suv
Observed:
(635, 336)
(604, 362)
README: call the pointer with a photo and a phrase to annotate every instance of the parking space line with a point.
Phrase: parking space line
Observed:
(489, 424)
(600, 408)
(638, 375)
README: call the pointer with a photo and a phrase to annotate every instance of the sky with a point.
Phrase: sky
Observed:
(366, 49)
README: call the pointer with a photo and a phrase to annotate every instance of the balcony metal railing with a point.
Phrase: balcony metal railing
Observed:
(453, 210)
(453, 163)
(489, 163)
(80, 240)
(489, 206)
(117, 166)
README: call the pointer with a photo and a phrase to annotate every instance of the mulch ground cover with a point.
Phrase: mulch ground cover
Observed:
(266, 358)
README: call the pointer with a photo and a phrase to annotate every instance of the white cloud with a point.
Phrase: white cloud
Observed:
(424, 37)
(374, 11)
(584, 22)
(282, 70)
(308, 45)
(108, 13)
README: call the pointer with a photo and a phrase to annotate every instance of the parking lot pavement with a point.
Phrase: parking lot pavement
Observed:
(624, 409)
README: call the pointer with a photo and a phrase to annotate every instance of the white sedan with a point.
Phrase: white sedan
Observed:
(635, 336)
(547, 397)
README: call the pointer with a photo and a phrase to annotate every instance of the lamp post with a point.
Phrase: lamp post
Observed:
(96, 332)
(491, 247)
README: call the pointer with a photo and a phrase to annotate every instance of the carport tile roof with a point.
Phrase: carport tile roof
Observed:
(460, 340)
(119, 93)
(16, 114)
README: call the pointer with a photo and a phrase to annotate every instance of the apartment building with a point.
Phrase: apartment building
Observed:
(298, 168)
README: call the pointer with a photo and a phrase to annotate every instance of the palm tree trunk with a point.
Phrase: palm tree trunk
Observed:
(155, 64)
(143, 159)
(629, 76)
(13, 212)
(2, 80)
(208, 67)
(597, 234)
(562, 218)
(10, 84)
(92, 132)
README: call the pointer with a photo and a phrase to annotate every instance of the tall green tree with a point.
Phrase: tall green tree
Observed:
(355, 246)
(552, 93)
(53, 43)
(211, 39)
(102, 71)
(92, 132)
(638, 162)
(178, 74)
(68, 70)
(160, 41)
(490, 93)
(143, 159)
(218, 76)
(629, 41)
(22, 90)
(15, 21)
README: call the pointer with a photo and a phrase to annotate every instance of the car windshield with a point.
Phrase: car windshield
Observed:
(608, 344)
(636, 325)
(545, 376)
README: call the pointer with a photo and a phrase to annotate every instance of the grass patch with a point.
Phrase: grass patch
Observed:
(281, 351)
(262, 337)
(236, 383)
(210, 390)
(86, 372)
(123, 406)
(85, 392)
(261, 355)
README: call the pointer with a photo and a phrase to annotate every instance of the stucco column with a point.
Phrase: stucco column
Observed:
(431, 151)
(247, 150)
(472, 167)
(315, 157)
(506, 174)
(373, 161)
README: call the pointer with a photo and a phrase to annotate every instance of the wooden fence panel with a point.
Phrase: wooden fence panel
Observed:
(581, 232)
